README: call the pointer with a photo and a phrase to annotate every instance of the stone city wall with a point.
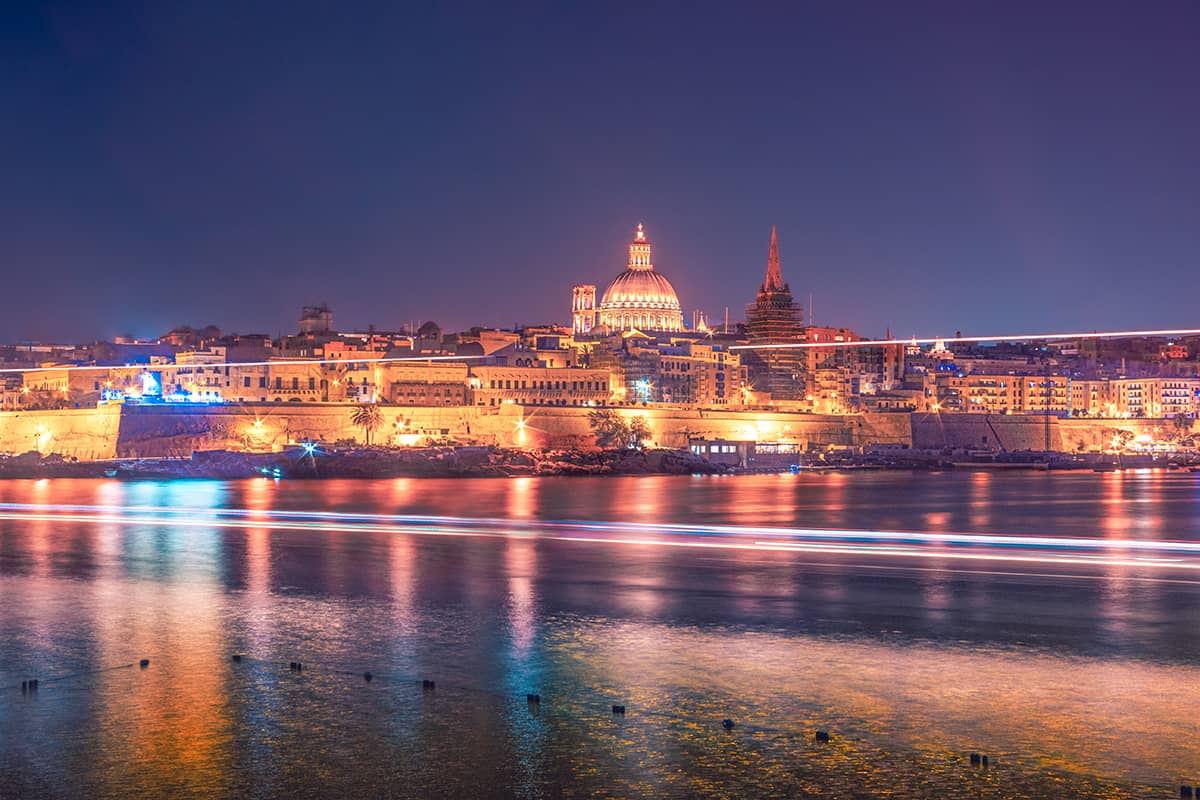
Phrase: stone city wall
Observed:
(158, 431)
(84, 433)
(984, 432)
(1023, 432)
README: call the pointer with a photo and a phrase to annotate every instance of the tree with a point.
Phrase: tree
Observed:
(609, 427)
(613, 430)
(368, 417)
(639, 432)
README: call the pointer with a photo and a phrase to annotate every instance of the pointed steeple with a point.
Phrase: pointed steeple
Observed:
(774, 281)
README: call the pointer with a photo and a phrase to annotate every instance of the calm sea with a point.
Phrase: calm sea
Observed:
(1078, 677)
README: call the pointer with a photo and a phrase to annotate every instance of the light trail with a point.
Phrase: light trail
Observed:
(278, 362)
(1015, 549)
(1011, 338)
(823, 534)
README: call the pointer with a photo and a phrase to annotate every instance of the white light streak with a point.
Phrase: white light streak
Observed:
(951, 340)
(889, 545)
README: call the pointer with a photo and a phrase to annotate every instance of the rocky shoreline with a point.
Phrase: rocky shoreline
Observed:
(497, 462)
(373, 462)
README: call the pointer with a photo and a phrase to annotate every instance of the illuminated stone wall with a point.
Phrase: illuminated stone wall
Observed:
(1097, 434)
(1023, 432)
(984, 432)
(156, 431)
(83, 433)
(160, 431)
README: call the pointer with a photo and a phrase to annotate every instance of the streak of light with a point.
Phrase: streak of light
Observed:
(823, 534)
(1010, 338)
(888, 544)
(167, 515)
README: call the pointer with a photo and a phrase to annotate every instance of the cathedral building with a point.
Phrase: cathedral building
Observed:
(774, 318)
(637, 299)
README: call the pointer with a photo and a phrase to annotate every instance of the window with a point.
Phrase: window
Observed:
(246, 381)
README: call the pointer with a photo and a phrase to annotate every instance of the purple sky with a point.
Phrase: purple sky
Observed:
(932, 167)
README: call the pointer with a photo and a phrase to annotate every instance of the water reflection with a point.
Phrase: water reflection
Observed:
(912, 666)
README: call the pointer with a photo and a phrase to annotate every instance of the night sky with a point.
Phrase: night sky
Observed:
(932, 167)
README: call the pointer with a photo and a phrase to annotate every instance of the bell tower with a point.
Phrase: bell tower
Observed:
(583, 308)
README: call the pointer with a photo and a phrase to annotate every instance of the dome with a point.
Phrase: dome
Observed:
(640, 297)
(640, 288)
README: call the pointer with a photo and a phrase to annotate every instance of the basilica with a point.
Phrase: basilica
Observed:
(637, 299)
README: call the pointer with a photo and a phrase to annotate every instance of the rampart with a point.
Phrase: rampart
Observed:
(162, 431)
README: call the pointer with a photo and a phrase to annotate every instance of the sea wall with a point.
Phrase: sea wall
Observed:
(1023, 432)
(1097, 434)
(159, 431)
(985, 432)
(162, 431)
(83, 433)
(165, 431)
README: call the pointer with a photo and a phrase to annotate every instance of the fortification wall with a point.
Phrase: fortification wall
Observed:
(158, 431)
(672, 427)
(985, 432)
(155, 431)
(1091, 435)
(84, 433)
(1024, 432)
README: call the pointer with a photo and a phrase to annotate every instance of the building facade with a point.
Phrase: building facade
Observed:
(537, 386)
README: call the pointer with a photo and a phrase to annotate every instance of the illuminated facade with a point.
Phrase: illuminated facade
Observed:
(682, 371)
(538, 386)
(640, 298)
(442, 383)
(583, 308)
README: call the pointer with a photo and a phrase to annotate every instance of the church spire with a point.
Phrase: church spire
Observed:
(774, 282)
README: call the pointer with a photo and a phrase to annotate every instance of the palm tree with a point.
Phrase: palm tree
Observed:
(368, 417)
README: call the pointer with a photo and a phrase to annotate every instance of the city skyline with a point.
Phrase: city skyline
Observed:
(967, 170)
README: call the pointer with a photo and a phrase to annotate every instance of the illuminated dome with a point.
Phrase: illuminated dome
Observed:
(640, 297)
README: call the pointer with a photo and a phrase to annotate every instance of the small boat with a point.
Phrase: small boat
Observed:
(110, 473)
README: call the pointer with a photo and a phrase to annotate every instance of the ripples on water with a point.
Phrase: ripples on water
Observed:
(1079, 681)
